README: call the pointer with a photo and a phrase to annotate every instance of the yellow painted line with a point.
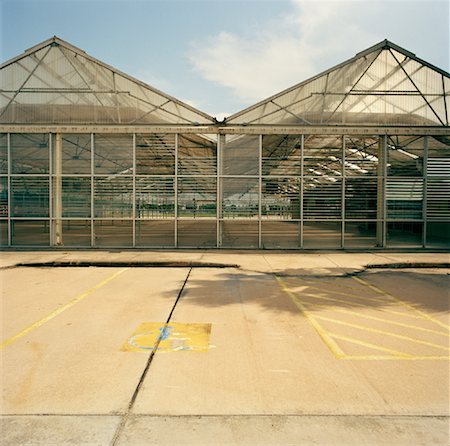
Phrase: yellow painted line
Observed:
(386, 333)
(355, 304)
(355, 296)
(400, 358)
(369, 345)
(55, 313)
(400, 324)
(334, 348)
(385, 293)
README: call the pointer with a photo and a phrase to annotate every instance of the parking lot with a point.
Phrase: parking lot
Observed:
(276, 349)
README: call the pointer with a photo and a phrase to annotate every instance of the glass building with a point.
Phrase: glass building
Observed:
(356, 157)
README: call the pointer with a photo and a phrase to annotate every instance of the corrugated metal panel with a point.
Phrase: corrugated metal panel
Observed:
(404, 198)
(438, 167)
(322, 200)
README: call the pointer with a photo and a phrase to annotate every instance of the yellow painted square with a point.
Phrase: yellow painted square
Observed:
(174, 337)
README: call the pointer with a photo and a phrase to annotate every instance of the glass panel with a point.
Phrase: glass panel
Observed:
(361, 234)
(113, 154)
(76, 232)
(361, 155)
(322, 198)
(3, 196)
(322, 156)
(113, 197)
(405, 156)
(241, 155)
(157, 233)
(281, 154)
(113, 232)
(155, 154)
(3, 232)
(30, 232)
(404, 234)
(280, 198)
(29, 197)
(280, 234)
(361, 198)
(197, 233)
(321, 234)
(3, 153)
(76, 196)
(155, 197)
(76, 154)
(29, 153)
(404, 198)
(240, 197)
(197, 197)
(197, 155)
(240, 234)
(438, 234)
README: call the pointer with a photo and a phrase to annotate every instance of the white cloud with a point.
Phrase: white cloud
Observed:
(288, 50)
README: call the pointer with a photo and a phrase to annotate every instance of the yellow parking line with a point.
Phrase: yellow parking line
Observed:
(377, 299)
(386, 333)
(55, 313)
(368, 344)
(400, 324)
(385, 293)
(401, 358)
(355, 304)
(334, 348)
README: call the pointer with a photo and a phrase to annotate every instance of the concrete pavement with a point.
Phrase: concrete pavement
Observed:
(308, 360)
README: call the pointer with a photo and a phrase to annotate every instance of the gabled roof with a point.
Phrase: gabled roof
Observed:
(57, 83)
(383, 85)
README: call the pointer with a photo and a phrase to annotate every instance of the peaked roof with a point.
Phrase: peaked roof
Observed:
(383, 85)
(55, 82)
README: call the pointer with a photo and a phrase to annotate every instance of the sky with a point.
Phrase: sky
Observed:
(222, 56)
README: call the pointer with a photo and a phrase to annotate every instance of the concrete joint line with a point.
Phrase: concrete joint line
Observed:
(126, 415)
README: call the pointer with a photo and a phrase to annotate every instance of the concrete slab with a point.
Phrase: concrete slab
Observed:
(285, 430)
(267, 358)
(58, 430)
(73, 364)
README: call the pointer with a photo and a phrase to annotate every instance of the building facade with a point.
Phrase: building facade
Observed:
(356, 157)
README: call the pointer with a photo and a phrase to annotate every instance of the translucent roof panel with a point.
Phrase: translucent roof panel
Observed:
(56, 83)
(384, 85)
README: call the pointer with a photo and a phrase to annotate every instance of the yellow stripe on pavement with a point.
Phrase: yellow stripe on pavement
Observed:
(368, 344)
(385, 293)
(55, 313)
(383, 332)
(334, 348)
(379, 319)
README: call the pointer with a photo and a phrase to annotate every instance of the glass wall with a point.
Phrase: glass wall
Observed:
(233, 191)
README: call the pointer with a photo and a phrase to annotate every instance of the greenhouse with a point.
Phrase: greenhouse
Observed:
(357, 157)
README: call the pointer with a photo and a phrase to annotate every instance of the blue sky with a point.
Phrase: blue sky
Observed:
(224, 55)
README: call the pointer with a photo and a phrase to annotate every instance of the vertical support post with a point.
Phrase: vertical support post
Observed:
(50, 187)
(381, 192)
(8, 166)
(425, 192)
(260, 139)
(176, 192)
(56, 191)
(220, 143)
(343, 194)
(92, 191)
(302, 184)
(134, 190)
